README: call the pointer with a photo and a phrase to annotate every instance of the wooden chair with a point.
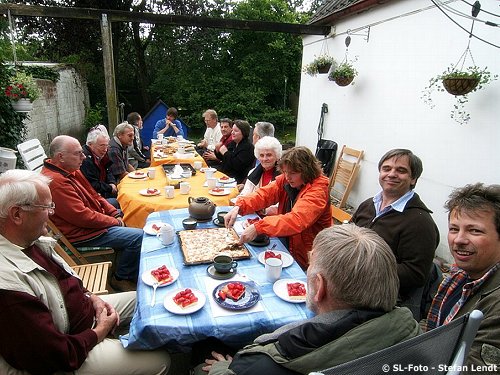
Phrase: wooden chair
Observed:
(339, 215)
(94, 275)
(32, 154)
(344, 175)
(80, 253)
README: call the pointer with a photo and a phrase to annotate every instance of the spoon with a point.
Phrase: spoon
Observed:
(153, 298)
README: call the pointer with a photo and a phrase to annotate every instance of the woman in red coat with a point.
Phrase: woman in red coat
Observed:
(304, 205)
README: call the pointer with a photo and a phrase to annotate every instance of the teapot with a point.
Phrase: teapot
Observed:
(201, 208)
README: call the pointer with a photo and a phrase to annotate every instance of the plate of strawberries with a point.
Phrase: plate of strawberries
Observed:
(291, 290)
(184, 301)
(162, 275)
(149, 192)
(286, 258)
(153, 228)
(236, 295)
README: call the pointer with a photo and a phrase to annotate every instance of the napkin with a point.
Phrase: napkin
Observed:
(177, 171)
(218, 311)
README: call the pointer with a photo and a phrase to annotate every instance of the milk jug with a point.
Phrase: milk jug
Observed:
(166, 234)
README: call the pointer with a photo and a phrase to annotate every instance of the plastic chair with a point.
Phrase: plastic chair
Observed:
(326, 151)
(440, 351)
(344, 175)
(32, 154)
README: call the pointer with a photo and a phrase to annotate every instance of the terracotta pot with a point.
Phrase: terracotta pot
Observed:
(201, 208)
(460, 86)
(22, 105)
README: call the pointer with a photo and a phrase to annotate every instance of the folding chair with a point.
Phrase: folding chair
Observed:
(339, 215)
(442, 350)
(94, 275)
(344, 175)
(80, 253)
(32, 154)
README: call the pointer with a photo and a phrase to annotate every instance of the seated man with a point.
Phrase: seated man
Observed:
(169, 126)
(212, 133)
(95, 167)
(123, 137)
(400, 217)
(474, 280)
(51, 323)
(352, 286)
(85, 217)
(137, 157)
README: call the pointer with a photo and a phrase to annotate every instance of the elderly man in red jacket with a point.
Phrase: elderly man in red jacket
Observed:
(85, 217)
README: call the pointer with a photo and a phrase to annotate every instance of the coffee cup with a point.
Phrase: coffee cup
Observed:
(224, 263)
(159, 136)
(169, 191)
(211, 182)
(185, 187)
(197, 165)
(209, 172)
(220, 216)
(273, 269)
(187, 174)
(151, 173)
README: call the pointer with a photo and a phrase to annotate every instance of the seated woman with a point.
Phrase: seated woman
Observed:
(268, 151)
(237, 157)
(304, 204)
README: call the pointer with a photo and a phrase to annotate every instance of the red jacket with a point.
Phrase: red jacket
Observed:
(310, 214)
(81, 213)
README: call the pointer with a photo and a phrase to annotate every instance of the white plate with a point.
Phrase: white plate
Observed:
(225, 192)
(148, 279)
(136, 174)
(171, 306)
(279, 287)
(145, 192)
(229, 180)
(287, 259)
(148, 228)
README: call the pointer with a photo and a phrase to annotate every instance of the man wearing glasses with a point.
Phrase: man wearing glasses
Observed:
(85, 217)
(54, 324)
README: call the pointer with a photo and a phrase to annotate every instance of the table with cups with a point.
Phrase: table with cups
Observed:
(178, 329)
(137, 204)
(158, 157)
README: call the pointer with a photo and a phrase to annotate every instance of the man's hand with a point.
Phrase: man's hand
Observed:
(209, 155)
(121, 222)
(248, 234)
(223, 149)
(203, 144)
(106, 321)
(114, 189)
(217, 357)
(231, 216)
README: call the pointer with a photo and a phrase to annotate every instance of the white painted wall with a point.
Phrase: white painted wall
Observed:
(383, 109)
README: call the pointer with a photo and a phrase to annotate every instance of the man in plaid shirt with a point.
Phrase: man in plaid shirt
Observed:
(474, 281)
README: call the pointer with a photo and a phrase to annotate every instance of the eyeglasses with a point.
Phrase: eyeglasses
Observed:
(49, 207)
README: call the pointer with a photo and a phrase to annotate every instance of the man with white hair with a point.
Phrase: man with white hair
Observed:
(352, 286)
(123, 137)
(262, 129)
(95, 167)
(51, 323)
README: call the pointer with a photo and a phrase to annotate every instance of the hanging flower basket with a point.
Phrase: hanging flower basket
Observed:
(343, 81)
(460, 86)
(22, 105)
(324, 69)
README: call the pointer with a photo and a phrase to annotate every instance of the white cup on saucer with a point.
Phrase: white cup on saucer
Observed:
(185, 187)
(151, 173)
(169, 192)
(209, 172)
(197, 165)
(211, 182)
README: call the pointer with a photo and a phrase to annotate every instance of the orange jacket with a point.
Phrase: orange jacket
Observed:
(310, 214)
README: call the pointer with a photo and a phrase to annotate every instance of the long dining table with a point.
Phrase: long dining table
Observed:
(136, 206)
(158, 157)
(155, 326)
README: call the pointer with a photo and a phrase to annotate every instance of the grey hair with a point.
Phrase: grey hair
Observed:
(94, 135)
(18, 187)
(264, 129)
(121, 128)
(211, 113)
(359, 267)
(268, 143)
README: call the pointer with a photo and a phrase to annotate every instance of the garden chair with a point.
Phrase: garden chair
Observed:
(32, 154)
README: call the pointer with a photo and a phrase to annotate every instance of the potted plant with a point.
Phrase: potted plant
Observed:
(321, 64)
(344, 74)
(22, 90)
(459, 83)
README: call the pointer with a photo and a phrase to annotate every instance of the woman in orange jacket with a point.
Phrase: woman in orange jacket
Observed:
(304, 205)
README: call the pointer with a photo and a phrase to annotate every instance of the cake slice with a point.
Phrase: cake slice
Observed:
(162, 275)
(185, 298)
(234, 291)
(296, 291)
(270, 254)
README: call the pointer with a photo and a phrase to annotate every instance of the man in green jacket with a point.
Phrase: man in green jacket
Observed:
(474, 281)
(352, 286)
